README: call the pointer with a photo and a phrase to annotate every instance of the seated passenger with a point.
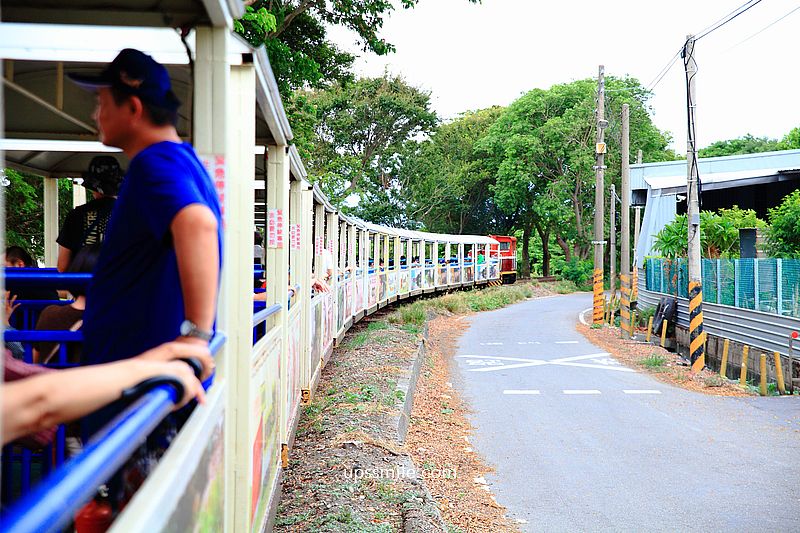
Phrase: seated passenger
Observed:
(39, 402)
(66, 317)
(18, 257)
(16, 348)
(258, 249)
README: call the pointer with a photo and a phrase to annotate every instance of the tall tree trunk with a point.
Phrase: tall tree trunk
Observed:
(564, 246)
(544, 235)
(525, 265)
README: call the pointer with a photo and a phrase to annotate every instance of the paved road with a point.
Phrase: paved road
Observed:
(581, 443)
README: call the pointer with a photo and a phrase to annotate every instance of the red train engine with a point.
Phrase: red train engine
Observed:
(506, 252)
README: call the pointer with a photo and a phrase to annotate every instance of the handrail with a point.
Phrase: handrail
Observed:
(41, 335)
(20, 278)
(52, 504)
(262, 315)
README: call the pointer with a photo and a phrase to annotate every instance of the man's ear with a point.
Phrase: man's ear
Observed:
(136, 107)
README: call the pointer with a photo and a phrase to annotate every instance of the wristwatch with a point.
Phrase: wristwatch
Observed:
(190, 329)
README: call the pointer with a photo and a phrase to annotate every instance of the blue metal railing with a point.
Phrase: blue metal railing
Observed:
(45, 278)
(53, 503)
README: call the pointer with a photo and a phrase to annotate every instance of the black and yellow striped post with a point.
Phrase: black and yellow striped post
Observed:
(599, 300)
(625, 325)
(696, 334)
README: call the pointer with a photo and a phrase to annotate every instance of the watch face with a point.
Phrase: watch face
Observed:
(187, 327)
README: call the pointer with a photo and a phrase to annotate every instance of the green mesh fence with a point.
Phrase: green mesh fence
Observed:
(790, 287)
(745, 288)
(727, 281)
(766, 285)
(709, 269)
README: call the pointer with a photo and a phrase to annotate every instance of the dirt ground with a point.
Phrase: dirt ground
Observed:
(346, 470)
(662, 364)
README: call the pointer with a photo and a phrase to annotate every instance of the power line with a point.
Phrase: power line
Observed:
(663, 71)
(745, 7)
(722, 18)
(765, 28)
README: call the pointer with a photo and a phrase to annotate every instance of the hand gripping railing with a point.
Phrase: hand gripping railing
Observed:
(53, 503)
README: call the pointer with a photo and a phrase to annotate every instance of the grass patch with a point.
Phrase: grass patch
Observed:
(377, 325)
(359, 340)
(414, 315)
(292, 520)
(564, 286)
(654, 361)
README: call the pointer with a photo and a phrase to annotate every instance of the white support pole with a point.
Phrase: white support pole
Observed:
(319, 238)
(78, 195)
(213, 83)
(332, 244)
(278, 170)
(50, 221)
(301, 199)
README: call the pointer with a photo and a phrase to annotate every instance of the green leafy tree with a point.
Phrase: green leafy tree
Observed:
(743, 145)
(24, 198)
(783, 235)
(719, 233)
(447, 183)
(543, 148)
(361, 129)
(791, 141)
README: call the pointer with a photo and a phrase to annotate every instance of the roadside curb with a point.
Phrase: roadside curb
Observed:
(422, 516)
(408, 385)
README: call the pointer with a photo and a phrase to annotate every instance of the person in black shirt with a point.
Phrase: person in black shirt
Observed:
(86, 224)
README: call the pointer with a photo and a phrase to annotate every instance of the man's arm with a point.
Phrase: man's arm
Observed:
(194, 233)
(64, 257)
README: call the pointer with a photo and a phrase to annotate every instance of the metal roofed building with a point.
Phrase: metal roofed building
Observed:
(751, 181)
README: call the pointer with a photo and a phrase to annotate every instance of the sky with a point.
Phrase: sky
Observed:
(475, 56)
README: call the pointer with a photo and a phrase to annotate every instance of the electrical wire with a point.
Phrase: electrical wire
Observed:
(663, 72)
(765, 28)
(743, 8)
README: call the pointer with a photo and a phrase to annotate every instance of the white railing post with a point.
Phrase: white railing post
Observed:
(719, 281)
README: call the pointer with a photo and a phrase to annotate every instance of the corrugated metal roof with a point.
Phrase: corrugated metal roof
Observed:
(724, 171)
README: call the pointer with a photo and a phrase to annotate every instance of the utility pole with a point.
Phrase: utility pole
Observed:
(625, 230)
(600, 150)
(612, 241)
(636, 231)
(696, 334)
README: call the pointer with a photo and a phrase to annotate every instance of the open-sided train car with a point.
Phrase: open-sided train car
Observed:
(222, 470)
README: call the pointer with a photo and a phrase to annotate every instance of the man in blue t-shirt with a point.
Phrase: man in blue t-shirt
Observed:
(157, 277)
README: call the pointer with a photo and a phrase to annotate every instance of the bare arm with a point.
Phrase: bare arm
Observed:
(42, 401)
(194, 232)
(64, 257)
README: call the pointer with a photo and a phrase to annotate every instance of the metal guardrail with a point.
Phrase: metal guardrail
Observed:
(764, 331)
(52, 504)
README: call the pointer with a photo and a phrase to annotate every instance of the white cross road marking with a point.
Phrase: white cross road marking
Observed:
(604, 363)
(528, 342)
(642, 391)
(485, 362)
(501, 358)
(566, 342)
(520, 392)
(582, 392)
(491, 344)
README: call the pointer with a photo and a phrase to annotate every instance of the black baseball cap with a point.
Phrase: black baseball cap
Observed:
(135, 73)
(104, 175)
